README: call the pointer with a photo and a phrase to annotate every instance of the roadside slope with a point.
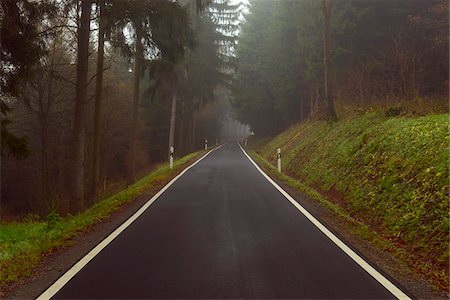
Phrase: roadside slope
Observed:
(389, 173)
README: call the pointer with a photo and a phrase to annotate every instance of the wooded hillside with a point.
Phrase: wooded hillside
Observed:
(385, 53)
(95, 92)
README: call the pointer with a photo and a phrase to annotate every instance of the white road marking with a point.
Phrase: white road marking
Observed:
(365, 265)
(57, 285)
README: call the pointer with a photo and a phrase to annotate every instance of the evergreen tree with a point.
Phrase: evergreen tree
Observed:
(21, 50)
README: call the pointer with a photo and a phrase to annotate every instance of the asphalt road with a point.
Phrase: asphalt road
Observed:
(222, 231)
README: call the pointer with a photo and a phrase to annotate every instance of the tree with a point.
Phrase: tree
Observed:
(43, 116)
(21, 49)
(138, 61)
(159, 28)
(77, 174)
(173, 113)
(204, 67)
(290, 62)
(11, 144)
(189, 83)
(98, 99)
(253, 100)
(330, 112)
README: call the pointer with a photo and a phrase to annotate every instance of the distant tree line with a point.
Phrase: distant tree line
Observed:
(380, 51)
(89, 88)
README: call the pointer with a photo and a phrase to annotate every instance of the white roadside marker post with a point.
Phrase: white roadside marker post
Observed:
(206, 144)
(171, 157)
(279, 160)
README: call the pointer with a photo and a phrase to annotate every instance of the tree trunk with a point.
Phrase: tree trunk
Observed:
(138, 57)
(44, 115)
(194, 129)
(181, 136)
(188, 129)
(46, 186)
(97, 104)
(190, 120)
(330, 112)
(44, 156)
(43, 134)
(77, 175)
(173, 115)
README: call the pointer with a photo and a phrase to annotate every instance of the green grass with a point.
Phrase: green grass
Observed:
(24, 244)
(360, 228)
(307, 190)
(393, 172)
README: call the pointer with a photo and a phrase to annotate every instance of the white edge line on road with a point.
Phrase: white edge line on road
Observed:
(57, 285)
(365, 265)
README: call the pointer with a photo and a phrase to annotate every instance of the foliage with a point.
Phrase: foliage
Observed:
(393, 172)
(52, 219)
(40, 121)
(393, 111)
(12, 145)
(24, 244)
(194, 80)
(163, 25)
(21, 50)
(21, 40)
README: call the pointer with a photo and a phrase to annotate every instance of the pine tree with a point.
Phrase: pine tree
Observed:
(77, 174)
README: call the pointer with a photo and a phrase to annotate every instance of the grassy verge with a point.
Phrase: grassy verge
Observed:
(307, 190)
(24, 244)
(393, 174)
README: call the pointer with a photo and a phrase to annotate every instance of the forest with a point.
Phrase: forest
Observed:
(92, 91)
(344, 102)
(380, 54)
(353, 94)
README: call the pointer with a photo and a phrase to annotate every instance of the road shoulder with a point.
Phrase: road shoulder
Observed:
(342, 227)
(55, 264)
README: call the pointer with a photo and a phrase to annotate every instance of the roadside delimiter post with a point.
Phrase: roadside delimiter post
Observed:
(206, 144)
(171, 157)
(279, 160)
